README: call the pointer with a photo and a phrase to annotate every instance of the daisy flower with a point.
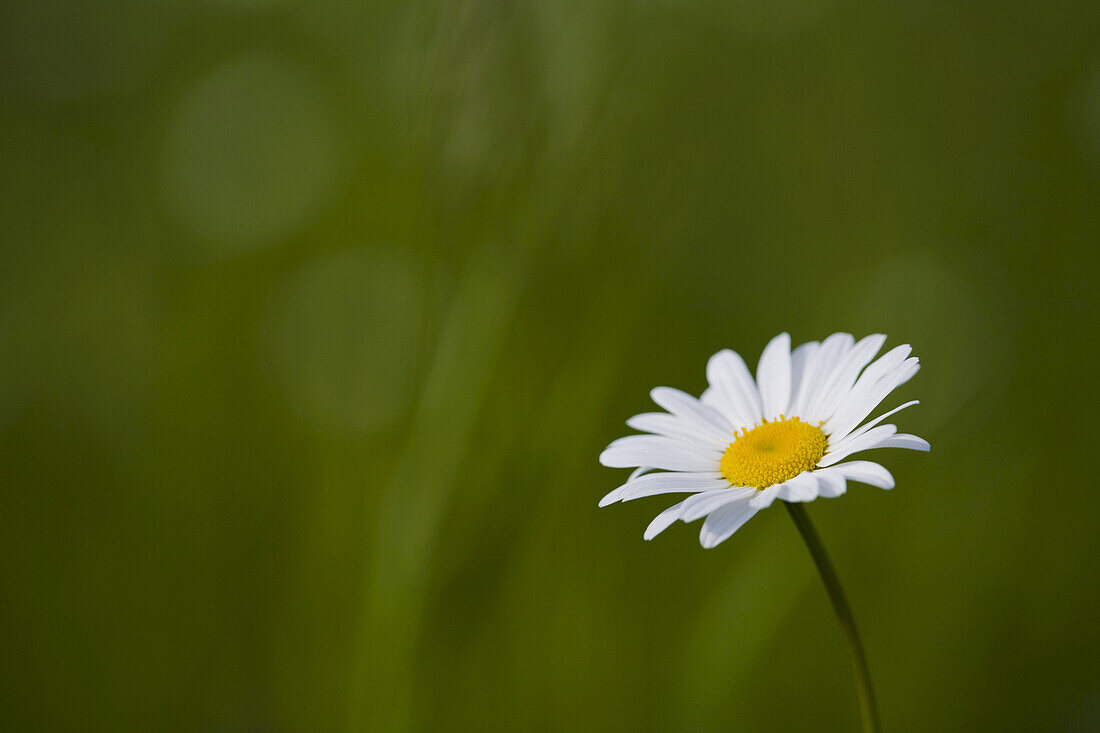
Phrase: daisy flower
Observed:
(786, 435)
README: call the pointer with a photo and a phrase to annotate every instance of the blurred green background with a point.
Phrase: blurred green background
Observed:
(314, 317)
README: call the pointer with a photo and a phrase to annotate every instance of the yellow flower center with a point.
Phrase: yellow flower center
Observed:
(773, 453)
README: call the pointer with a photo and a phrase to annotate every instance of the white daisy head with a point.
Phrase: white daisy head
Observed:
(745, 443)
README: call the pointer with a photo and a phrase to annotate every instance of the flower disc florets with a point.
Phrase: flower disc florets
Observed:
(773, 452)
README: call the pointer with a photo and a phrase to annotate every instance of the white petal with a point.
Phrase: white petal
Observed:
(613, 496)
(764, 498)
(904, 440)
(684, 405)
(831, 391)
(831, 483)
(666, 483)
(773, 375)
(722, 523)
(663, 521)
(861, 401)
(820, 368)
(800, 358)
(639, 471)
(676, 426)
(868, 381)
(867, 441)
(659, 452)
(837, 442)
(886, 363)
(866, 472)
(700, 505)
(734, 388)
(803, 487)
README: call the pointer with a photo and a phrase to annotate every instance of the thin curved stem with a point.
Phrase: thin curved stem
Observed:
(843, 614)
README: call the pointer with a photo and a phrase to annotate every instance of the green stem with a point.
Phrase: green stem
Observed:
(843, 614)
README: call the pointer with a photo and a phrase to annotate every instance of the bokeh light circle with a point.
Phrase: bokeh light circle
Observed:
(1087, 103)
(250, 154)
(920, 299)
